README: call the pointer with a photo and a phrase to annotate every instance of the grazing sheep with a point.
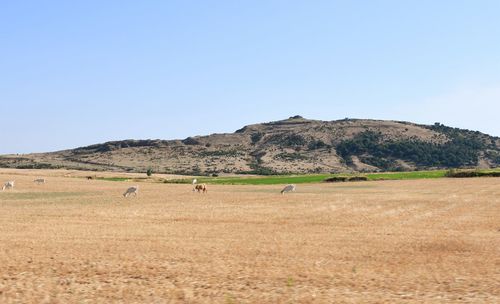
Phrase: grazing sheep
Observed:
(195, 181)
(288, 188)
(200, 188)
(8, 185)
(39, 181)
(134, 190)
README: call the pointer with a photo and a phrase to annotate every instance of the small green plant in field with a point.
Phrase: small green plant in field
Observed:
(176, 181)
(113, 179)
(290, 282)
(149, 172)
(230, 299)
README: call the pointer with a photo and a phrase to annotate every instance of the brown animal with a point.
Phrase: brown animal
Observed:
(39, 181)
(90, 177)
(200, 188)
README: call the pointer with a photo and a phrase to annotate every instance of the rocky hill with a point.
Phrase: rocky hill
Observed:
(294, 145)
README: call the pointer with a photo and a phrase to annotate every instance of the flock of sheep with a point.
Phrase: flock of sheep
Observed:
(135, 189)
(10, 184)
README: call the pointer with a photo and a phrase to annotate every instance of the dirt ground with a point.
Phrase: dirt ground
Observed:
(74, 240)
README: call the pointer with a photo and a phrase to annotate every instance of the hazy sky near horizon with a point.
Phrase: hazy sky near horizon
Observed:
(75, 73)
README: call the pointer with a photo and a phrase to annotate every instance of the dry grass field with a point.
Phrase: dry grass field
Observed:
(74, 240)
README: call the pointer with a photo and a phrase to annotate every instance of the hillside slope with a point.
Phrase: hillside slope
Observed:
(294, 145)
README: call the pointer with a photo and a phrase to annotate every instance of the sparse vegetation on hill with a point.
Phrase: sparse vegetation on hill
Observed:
(290, 156)
(228, 153)
(294, 145)
(286, 140)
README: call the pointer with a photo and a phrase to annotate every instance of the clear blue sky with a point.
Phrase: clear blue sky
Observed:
(74, 73)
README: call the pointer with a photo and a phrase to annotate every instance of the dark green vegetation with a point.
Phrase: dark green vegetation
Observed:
(472, 173)
(287, 140)
(25, 163)
(337, 179)
(116, 145)
(462, 149)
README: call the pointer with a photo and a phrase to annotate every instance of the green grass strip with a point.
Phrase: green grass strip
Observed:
(315, 178)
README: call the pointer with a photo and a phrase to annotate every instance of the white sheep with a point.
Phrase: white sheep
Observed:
(288, 188)
(132, 190)
(8, 185)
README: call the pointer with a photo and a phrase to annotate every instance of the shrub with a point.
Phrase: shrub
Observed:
(255, 137)
(471, 173)
(316, 144)
(190, 141)
(336, 179)
(358, 178)
(258, 169)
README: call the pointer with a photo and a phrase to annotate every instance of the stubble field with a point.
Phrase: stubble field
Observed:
(74, 240)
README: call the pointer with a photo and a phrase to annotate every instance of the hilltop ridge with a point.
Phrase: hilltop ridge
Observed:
(293, 145)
